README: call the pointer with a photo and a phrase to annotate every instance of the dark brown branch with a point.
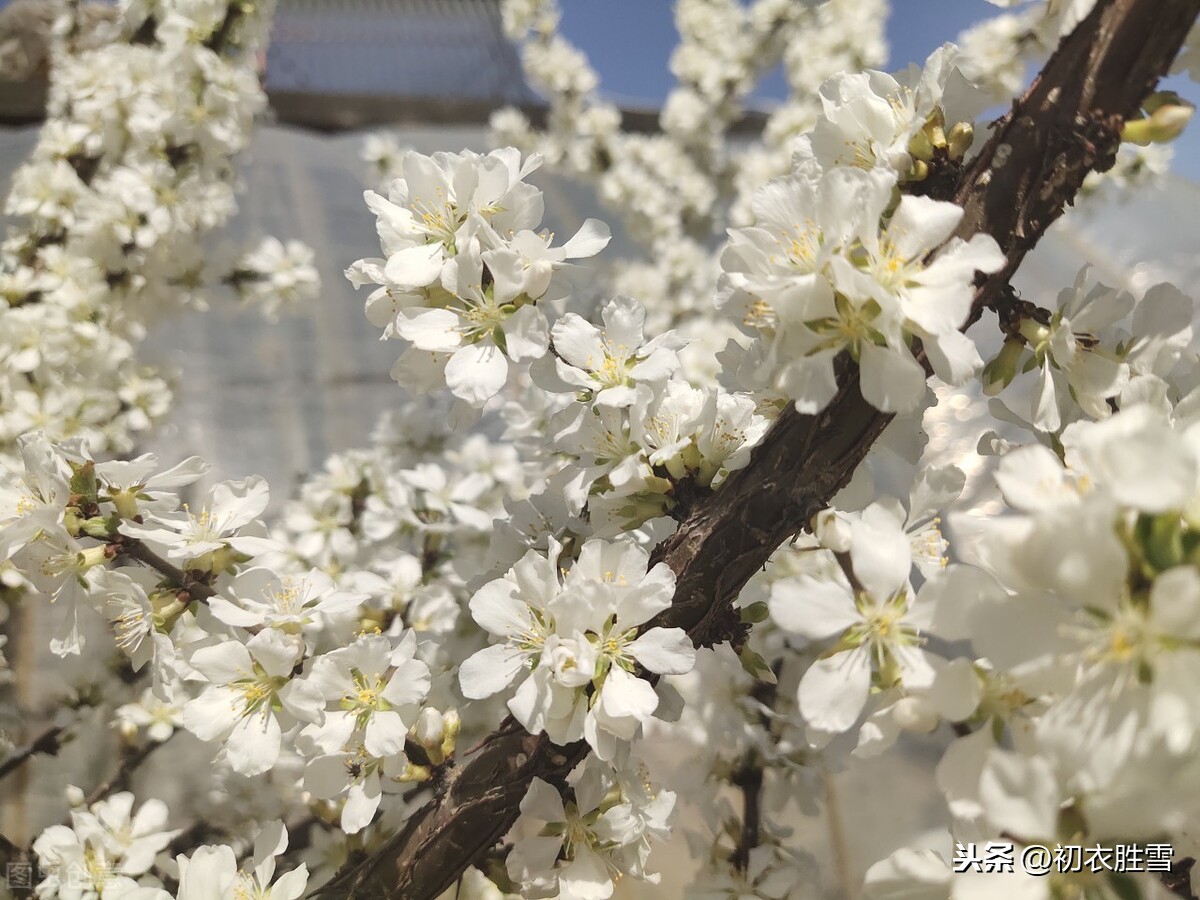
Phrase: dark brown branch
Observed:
(1031, 168)
(1067, 125)
(49, 742)
(749, 775)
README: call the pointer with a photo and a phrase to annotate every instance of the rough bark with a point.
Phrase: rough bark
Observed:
(1032, 167)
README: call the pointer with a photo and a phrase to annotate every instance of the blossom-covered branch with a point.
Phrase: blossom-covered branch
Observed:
(806, 458)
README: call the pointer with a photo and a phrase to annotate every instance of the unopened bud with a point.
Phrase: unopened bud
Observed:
(754, 613)
(430, 732)
(999, 373)
(73, 521)
(1137, 131)
(831, 531)
(126, 503)
(75, 796)
(1168, 121)
(1159, 99)
(920, 147)
(98, 527)
(168, 607)
(413, 773)
(756, 666)
(959, 141)
(451, 724)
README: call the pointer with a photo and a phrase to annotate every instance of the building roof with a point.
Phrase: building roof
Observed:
(454, 49)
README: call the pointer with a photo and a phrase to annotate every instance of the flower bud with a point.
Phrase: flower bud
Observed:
(73, 521)
(430, 732)
(413, 773)
(451, 724)
(999, 373)
(126, 503)
(1168, 121)
(920, 147)
(1137, 131)
(755, 613)
(959, 141)
(756, 666)
(167, 609)
(831, 531)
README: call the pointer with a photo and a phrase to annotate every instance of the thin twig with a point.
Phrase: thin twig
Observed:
(136, 549)
(130, 761)
(49, 742)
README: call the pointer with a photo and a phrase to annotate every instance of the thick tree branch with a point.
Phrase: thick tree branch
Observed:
(1031, 168)
(1067, 125)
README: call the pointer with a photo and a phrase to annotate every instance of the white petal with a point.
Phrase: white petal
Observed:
(476, 373)
(625, 695)
(490, 670)
(231, 614)
(430, 329)
(385, 733)
(415, 267)
(526, 334)
(592, 237)
(953, 355)
(362, 800)
(1020, 795)
(667, 651)
(834, 690)
(585, 877)
(543, 801)
(223, 663)
(891, 381)
(816, 609)
(254, 743)
(810, 381)
(1175, 602)
(325, 777)
(496, 606)
(881, 553)
(578, 342)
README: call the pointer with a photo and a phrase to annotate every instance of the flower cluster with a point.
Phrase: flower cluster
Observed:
(837, 261)
(129, 172)
(1097, 348)
(818, 275)
(464, 269)
(583, 844)
(576, 643)
(106, 851)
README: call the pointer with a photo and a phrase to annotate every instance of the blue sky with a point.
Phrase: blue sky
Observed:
(629, 41)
